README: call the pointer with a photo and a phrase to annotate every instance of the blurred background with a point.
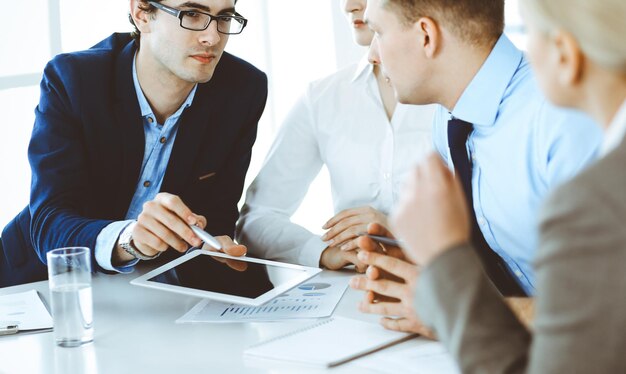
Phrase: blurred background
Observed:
(293, 41)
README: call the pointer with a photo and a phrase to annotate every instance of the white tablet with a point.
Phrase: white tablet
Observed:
(218, 276)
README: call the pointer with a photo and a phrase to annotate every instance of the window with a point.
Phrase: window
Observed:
(514, 25)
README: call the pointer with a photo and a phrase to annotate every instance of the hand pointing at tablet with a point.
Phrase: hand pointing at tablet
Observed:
(228, 246)
(165, 223)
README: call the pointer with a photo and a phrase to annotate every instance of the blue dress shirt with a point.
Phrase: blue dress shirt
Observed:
(159, 141)
(521, 148)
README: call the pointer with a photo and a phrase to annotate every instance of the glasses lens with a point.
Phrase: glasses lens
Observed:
(229, 25)
(195, 20)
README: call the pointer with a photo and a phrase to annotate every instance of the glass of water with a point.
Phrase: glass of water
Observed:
(69, 277)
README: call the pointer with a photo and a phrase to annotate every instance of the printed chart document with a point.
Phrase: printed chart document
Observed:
(317, 298)
(26, 310)
(327, 343)
(418, 356)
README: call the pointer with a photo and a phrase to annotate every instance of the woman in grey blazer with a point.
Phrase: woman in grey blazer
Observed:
(577, 48)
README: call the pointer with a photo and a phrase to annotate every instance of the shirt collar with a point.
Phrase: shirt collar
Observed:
(480, 102)
(146, 110)
(616, 131)
(364, 68)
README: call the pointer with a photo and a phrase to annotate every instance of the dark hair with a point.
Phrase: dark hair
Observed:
(476, 21)
(143, 5)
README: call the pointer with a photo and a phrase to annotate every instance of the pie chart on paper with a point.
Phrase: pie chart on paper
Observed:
(314, 286)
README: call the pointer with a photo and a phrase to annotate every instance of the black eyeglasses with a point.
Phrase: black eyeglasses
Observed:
(199, 21)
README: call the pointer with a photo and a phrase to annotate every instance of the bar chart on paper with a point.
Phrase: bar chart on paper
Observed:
(315, 299)
(281, 307)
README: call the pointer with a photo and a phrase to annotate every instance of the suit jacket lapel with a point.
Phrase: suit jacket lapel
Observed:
(196, 131)
(128, 124)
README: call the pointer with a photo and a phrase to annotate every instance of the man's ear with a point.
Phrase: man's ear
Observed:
(570, 59)
(140, 17)
(428, 35)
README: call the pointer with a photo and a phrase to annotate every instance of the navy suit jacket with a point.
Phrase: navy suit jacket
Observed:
(87, 148)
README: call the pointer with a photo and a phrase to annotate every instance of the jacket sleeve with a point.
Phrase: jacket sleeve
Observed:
(59, 187)
(458, 301)
(291, 165)
(580, 308)
(221, 209)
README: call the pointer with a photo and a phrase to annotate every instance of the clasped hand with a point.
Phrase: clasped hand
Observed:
(389, 284)
(431, 217)
(342, 235)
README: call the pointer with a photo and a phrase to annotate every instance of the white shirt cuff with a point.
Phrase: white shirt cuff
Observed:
(106, 243)
(312, 252)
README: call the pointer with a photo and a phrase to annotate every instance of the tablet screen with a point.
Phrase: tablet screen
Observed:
(227, 276)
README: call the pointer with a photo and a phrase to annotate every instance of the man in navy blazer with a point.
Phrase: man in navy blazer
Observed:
(137, 138)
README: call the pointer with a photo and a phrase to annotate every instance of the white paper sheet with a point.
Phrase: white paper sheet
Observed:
(418, 356)
(25, 308)
(316, 298)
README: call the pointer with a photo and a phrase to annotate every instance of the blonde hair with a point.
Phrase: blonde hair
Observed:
(597, 25)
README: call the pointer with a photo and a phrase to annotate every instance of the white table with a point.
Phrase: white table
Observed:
(135, 333)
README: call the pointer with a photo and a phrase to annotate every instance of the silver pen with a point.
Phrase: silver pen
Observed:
(9, 327)
(383, 239)
(206, 237)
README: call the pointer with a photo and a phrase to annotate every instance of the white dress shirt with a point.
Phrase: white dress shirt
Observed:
(339, 122)
(616, 131)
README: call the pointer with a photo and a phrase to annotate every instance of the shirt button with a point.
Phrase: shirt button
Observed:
(519, 274)
(481, 221)
(163, 140)
(150, 119)
(146, 184)
(386, 176)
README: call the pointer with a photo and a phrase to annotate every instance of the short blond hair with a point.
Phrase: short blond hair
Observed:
(479, 22)
(599, 26)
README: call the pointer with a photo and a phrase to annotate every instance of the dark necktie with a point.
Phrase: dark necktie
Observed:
(496, 269)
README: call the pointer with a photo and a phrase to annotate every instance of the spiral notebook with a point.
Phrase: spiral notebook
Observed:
(328, 343)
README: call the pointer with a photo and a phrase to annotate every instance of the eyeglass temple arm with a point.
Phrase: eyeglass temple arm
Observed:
(174, 12)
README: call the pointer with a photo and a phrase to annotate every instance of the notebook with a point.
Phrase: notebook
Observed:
(328, 343)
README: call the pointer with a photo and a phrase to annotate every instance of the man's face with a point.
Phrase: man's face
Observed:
(397, 47)
(190, 56)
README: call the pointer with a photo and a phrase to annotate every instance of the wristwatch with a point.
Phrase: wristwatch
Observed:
(126, 241)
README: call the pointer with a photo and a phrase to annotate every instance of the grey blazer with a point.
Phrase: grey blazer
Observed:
(580, 310)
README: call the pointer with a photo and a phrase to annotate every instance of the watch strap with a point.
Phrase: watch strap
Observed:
(126, 242)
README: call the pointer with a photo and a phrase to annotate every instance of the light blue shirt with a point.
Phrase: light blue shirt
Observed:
(521, 148)
(159, 141)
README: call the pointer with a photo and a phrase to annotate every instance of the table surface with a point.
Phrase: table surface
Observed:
(135, 333)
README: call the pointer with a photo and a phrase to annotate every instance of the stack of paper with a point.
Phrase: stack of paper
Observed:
(419, 356)
(26, 310)
(327, 343)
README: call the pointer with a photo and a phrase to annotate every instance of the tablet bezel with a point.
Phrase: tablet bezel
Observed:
(307, 273)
